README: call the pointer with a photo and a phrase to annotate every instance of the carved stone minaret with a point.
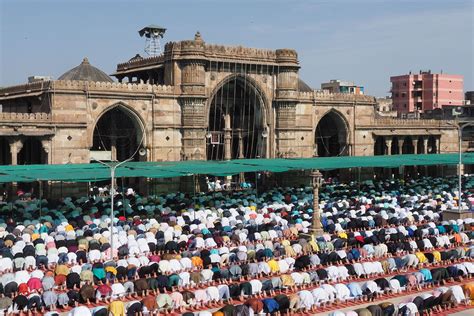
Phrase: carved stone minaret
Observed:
(285, 101)
(193, 98)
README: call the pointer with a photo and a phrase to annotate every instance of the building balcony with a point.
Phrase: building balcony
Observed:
(21, 117)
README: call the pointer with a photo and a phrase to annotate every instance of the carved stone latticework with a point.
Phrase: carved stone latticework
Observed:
(284, 131)
(193, 127)
(193, 77)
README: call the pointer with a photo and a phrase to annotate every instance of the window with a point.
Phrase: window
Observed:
(405, 105)
(404, 84)
(449, 91)
(403, 94)
(396, 95)
(215, 138)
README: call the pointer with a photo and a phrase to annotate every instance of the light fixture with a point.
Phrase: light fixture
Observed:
(265, 133)
(208, 135)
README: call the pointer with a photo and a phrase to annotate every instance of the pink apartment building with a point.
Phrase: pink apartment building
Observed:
(426, 91)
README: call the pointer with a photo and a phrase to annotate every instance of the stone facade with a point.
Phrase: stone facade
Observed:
(168, 97)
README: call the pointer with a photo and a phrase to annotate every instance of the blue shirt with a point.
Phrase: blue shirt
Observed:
(270, 305)
(355, 289)
(426, 275)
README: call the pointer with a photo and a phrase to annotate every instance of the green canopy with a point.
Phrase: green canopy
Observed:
(96, 171)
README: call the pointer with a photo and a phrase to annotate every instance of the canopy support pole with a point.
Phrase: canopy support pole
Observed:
(256, 185)
(123, 196)
(40, 198)
(112, 168)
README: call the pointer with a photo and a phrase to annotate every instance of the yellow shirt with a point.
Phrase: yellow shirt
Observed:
(117, 308)
(421, 257)
(274, 267)
(287, 280)
(111, 270)
(197, 262)
(437, 256)
(314, 245)
(469, 290)
(62, 269)
(342, 235)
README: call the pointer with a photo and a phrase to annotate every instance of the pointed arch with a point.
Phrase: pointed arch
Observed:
(32, 152)
(120, 130)
(237, 112)
(332, 135)
(249, 81)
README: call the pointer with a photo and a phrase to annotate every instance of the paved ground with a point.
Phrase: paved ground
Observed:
(468, 312)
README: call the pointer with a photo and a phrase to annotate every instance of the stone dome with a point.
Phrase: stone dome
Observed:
(303, 86)
(86, 72)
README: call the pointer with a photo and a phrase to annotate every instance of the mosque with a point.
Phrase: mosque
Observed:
(200, 101)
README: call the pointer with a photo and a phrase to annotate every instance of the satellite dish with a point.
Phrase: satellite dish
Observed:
(142, 152)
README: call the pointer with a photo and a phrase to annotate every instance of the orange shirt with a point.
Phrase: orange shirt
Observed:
(197, 261)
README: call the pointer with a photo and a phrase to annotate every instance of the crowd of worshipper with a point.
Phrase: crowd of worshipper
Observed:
(218, 185)
(440, 299)
(253, 253)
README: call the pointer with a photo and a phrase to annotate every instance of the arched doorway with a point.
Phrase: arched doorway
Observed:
(408, 147)
(432, 145)
(379, 146)
(5, 156)
(331, 136)
(236, 112)
(32, 152)
(117, 135)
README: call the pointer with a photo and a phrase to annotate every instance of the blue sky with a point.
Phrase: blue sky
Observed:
(365, 41)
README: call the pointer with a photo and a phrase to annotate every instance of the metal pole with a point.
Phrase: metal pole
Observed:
(112, 193)
(40, 198)
(256, 184)
(112, 190)
(459, 168)
(123, 197)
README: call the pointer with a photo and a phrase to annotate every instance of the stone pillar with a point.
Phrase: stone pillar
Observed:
(16, 145)
(400, 145)
(415, 146)
(193, 76)
(46, 143)
(113, 148)
(189, 74)
(400, 152)
(425, 144)
(241, 145)
(227, 137)
(286, 100)
(285, 124)
(415, 151)
(438, 145)
(193, 127)
(388, 142)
